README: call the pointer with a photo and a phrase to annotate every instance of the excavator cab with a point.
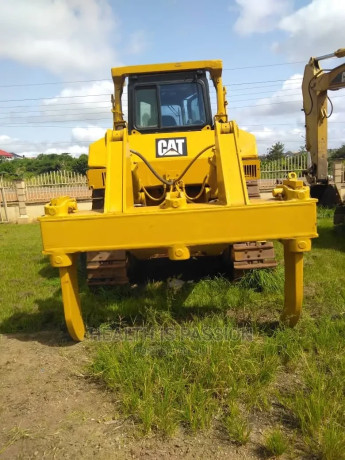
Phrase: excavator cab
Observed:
(169, 102)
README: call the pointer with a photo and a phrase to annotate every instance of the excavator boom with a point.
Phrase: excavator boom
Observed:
(316, 83)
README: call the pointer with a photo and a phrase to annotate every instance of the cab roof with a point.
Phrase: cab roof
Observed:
(214, 67)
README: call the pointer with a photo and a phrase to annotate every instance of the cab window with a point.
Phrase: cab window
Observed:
(167, 105)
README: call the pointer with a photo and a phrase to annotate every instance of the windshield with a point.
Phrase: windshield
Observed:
(169, 105)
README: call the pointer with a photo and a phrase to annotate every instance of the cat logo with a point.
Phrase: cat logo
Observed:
(171, 147)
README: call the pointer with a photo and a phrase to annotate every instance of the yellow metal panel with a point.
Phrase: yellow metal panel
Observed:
(293, 288)
(172, 166)
(230, 175)
(98, 154)
(96, 178)
(168, 67)
(128, 198)
(113, 180)
(71, 300)
(146, 144)
(247, 144)
(192, 226)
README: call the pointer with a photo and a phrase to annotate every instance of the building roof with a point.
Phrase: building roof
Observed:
(4, 154)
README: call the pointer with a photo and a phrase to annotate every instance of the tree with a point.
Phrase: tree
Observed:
(79, 165)
(338, 153)
(302, 149)
(276, 151)
(44, 163)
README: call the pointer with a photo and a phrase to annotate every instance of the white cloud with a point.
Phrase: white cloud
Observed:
(66, 37)
(89, 102)
(287, 100)
(32, 149)
(312, 30)
(279, 118)
(4, 139)
(137, 42)
(316, 29)
(260, 16)
(88, 134)
(74, 149)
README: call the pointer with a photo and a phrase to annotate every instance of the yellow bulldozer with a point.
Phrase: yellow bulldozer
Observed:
(176, 181)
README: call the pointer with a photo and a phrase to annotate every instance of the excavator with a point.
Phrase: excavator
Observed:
(176, 181)
(315, 86)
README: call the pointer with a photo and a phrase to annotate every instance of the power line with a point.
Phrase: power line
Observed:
(27, 124)
(271, 103)
(53, 83)
(57, 105)
(298, 141)
(16, 85)
(124, 106)
(56, 97)
(264, 65)
(106, 112)
(107, 101)
(108, 94)
(290, 124)
(48, 143)
(57, 115)
(72, 143)
(43, 109)
(23, 126)
(263, 81)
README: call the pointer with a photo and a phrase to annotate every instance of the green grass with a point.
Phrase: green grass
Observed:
(30, 295)
(211, 355)
(276, 443)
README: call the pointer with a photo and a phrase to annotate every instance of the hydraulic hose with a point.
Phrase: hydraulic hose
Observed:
(202, 189)
(159, 177)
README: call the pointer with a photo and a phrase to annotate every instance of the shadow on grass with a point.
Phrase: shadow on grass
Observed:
(149, 300)
(146, 300)
(45, 324)
(47, 271)
(330, 237)
(263, 326)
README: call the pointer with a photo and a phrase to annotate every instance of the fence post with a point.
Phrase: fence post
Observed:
(337, 171)
(3, 204)
(338, 175)
(21, 197)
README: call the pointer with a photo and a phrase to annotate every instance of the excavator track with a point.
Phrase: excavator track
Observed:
(253, 255)
(106, 268)
(253, 189)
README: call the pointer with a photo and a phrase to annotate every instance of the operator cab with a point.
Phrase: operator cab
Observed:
(168, 102)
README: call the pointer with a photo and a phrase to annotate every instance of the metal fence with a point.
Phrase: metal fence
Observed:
(58, 183)
(54, 184)
(278, 169)
(46, 186)
(271, 171)
(8, 190)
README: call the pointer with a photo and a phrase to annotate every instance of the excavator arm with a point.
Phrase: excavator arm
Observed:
(316, 83)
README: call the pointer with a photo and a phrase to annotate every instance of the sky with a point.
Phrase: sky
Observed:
(56, 57)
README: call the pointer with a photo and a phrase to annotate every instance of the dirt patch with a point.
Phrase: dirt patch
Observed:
(49, 408)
